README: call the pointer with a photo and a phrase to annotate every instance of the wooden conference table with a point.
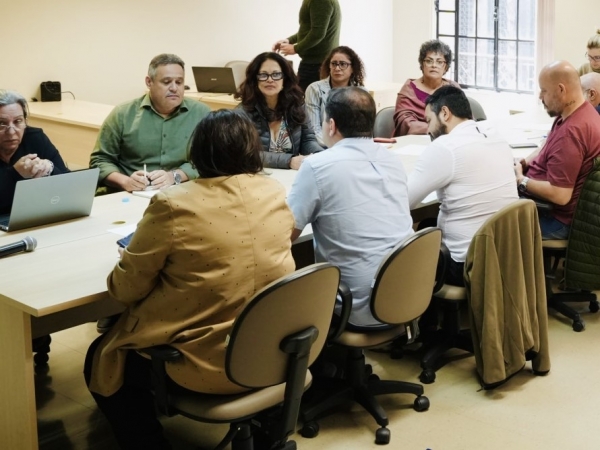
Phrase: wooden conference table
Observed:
(63, 284)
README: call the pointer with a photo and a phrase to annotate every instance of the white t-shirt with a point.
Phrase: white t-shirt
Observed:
(473, 174)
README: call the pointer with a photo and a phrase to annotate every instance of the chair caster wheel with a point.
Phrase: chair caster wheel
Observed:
(427, 376)
(41, 359)
(382, 436)
(594, 306)
(373, 377)
(578, 325)
(421, 404)
(310, 430)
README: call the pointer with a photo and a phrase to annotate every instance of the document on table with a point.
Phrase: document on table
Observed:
(411, 150)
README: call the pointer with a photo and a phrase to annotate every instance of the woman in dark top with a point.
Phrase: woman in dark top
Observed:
(271, 96)
(25, 152)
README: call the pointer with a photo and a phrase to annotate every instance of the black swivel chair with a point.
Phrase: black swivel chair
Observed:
(401, 293)
(581, 255)
(273, 341)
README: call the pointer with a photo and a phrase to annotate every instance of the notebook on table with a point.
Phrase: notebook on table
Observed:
(40, 201)
(214, 79)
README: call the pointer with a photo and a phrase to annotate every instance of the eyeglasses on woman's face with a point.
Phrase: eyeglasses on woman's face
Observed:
(434, 62)
(264, 76)
(341, 64)
(17, 125)
(592, 58)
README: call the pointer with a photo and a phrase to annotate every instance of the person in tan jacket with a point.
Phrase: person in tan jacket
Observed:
(200, 252)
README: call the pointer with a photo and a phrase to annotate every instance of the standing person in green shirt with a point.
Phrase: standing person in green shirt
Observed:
(150, 132)
(319, 33)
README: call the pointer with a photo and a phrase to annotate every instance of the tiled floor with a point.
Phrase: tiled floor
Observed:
(556, 412)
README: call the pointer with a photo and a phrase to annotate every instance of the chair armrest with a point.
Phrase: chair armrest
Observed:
(443, 264)
(542, 205)
(160, 355)
(164, 353)
(345, 296)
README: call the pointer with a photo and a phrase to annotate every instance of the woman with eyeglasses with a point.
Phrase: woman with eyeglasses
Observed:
(25, 152)
(271, 97)
(592, 55)
(342, 67)
(434, 61)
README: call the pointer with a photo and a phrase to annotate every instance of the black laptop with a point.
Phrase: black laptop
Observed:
(214, 79)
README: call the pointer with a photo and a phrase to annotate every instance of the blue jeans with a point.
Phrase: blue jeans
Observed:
(552, 228)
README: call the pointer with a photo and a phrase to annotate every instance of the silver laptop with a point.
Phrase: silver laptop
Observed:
(41, 201)
(214, 79)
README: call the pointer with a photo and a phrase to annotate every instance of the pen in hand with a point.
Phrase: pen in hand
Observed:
(147, 181)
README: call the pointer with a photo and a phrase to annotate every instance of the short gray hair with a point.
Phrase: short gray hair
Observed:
(11, 97)
(162, 60)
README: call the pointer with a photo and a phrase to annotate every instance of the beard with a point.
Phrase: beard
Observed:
(550, 112)
(440, 130)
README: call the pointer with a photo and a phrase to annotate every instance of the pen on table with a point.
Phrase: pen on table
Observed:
(544, 136)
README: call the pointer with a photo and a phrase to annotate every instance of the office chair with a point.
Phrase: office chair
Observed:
(505, 290)
(477, 110)
(274, 339)
(581, 253)
(384, 123)
(401, 293)
(239, 71)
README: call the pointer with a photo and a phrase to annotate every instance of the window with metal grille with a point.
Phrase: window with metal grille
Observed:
(493, 42)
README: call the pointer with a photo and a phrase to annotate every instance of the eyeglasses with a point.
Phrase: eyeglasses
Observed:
(341, 64)
(593, 58)
(434, 62)
(17, 125)
(264, 76)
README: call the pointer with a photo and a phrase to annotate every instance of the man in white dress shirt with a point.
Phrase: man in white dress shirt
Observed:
(354, 195)
(472, 172)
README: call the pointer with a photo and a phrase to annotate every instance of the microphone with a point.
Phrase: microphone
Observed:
(28, 244)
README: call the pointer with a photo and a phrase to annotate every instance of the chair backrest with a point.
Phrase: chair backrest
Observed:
(405, 279)
(239, 70)
(384, 123)
(303, 299)
(582, 262)
(477, 110)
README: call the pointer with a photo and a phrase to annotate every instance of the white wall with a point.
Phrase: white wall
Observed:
(100, 50)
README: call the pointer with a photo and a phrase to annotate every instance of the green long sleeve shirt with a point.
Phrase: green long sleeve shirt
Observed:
(319, 31)
(134, 134)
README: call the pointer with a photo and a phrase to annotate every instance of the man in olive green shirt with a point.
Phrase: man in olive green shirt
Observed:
(319, 33)
(151, 133)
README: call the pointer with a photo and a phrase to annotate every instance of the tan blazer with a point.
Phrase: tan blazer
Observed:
(504, 276)
(202, 249)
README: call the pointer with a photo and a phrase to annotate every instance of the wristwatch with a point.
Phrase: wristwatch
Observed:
(523, 184)
(176, 177)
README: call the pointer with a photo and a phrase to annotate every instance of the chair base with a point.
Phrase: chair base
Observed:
(434, 351)
(557, 300)
(359, 385)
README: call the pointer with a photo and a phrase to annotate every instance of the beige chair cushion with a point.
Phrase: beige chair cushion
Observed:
(451, 292)
(555, 243)
(228, 408)
(371, 338)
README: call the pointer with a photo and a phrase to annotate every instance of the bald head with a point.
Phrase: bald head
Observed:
(590, 84)
(560, 88)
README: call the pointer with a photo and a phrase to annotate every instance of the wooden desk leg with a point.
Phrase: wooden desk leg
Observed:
(18, 421)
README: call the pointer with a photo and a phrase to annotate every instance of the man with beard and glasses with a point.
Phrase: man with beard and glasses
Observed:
(556, 172)
(471, 170)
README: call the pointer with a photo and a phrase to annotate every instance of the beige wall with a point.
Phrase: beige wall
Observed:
(576, 21)
(100, 49)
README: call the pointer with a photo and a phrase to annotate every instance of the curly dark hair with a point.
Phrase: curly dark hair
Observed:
(435, 46)
(225, 143)
(290, 103)
(358, 68)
